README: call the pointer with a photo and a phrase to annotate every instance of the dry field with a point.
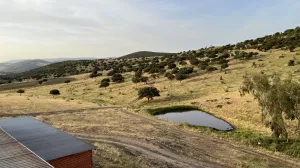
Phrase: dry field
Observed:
(127, 137)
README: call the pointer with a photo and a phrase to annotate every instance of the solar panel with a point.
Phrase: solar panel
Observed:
(13, 154)
(47, 142)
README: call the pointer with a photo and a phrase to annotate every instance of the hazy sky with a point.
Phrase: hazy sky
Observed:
(100, 28)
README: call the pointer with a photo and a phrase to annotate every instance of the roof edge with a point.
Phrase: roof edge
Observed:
(26, 148)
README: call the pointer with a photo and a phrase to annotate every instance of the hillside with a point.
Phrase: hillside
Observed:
(116, 117)
(203, 58)
(141, 54)
(22, 66)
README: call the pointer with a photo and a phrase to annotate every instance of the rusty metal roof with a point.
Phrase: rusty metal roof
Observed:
(13, 154)
(47, 142)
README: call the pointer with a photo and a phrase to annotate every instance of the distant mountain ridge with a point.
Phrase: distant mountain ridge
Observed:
(22, 66)
(140, 54)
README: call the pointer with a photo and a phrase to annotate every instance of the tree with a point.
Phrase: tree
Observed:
(148, 92)
(171, 77)
(224, 66)
(55, 92)
(211, 68)
(171, 65)
(291, 63)
(117, 78)
(291, 48)
(277, 98)
(21, 91)
(67, 81)
(95, 74)
(144, 79)
(104, 84)
(135, 80)
(105, 80)
(180, 76)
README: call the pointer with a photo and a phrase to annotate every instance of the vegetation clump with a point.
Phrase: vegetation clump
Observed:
(20, 91)
(54, 92)
(148, 92)
(117, 78)
(278, 98)
(104, 82)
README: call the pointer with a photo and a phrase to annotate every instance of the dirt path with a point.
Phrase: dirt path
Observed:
(225, 144)
(165, 144)
(149, 151)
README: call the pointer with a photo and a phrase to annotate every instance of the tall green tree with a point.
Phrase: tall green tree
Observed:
(278, 98)
(148, 92)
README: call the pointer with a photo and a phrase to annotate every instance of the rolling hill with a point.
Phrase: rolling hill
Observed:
(140, 54)
(22, 66)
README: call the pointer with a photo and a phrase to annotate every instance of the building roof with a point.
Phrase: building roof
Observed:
(14, 154)
(45, 141)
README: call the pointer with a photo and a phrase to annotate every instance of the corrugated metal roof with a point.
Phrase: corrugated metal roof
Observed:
(13, 154)
(45, 141)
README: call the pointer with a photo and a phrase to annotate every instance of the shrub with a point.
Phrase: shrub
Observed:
(21, 91)
(67, 81)
(179, 76)
(291, 63)
(186, 70)
(171, 77)
(104, 84)
(224, 66)
(135, 80)
(175, 70)
(171, 66)
(55, 92)
(117, 78)
(144, 79)
(105, 80)
(211, 68)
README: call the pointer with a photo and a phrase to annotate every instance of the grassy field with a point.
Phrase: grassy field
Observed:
(203, 90)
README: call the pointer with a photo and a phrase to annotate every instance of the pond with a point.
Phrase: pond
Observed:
(197, 118)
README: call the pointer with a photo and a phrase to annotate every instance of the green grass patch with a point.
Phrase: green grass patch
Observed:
(164, 110)
(290, 147)
(98, 101)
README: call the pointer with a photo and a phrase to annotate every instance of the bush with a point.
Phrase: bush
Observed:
(105, 80)
(117, 78)
(55, 92)
(67, 81)
(135, 80)
(104, 84)
(211, 68)
(171, 77)
(291, 63)
(21, 91)
(179, 76)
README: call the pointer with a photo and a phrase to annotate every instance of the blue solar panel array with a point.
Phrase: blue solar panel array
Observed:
(47, 142)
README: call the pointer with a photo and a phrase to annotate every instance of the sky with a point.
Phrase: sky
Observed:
(31, 29)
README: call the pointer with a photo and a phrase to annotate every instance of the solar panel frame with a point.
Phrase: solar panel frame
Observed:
(47, 142)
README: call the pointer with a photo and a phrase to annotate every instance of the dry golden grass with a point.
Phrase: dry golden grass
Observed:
(241, 112)
(13, 103)
(204, 90)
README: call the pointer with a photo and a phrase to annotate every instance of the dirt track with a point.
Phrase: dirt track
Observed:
(200, 150)
(149, 151)
(162, 144)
